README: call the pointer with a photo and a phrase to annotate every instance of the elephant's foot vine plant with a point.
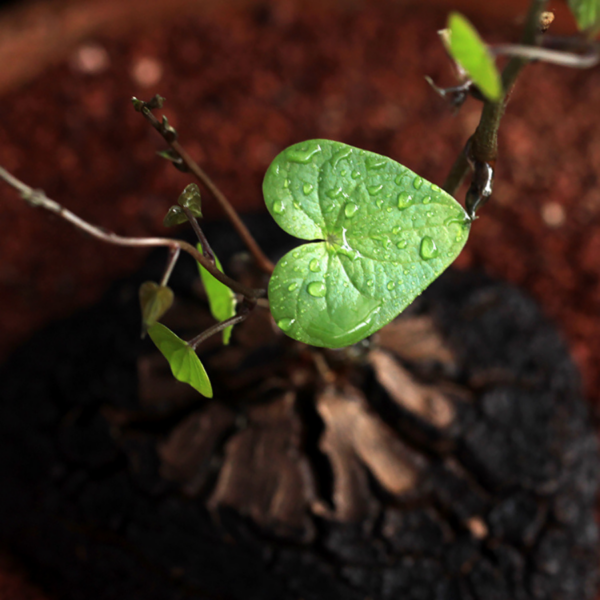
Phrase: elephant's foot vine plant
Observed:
(378, 233)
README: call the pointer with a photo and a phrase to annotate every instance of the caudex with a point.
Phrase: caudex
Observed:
(378, 234)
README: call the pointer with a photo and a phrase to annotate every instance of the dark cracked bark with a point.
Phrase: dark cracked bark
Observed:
(451, 457)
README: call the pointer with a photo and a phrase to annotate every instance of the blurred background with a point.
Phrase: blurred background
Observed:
(244, 79)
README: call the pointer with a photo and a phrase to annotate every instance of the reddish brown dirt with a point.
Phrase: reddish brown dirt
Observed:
(241, 85)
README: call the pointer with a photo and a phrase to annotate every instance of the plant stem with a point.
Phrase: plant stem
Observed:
(173, 256)
(206, 249)
(555, 57)
(484, 142)
(244, 310)
(39, 199)
(261, 259)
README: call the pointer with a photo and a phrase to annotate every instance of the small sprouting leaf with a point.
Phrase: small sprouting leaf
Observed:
(381, 234)
(471, 53)
(190, 198)
(174, 216)
(184, 361)
(155, 301)
(138, 105)
(157, 101)
(174, 158)
(168, 132)
(586, 13)
(220, 298)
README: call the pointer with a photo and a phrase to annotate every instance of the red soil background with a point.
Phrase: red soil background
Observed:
(244, 82)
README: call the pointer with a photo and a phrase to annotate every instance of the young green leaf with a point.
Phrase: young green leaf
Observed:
(190, 198)
(471, 53)
(184, 361)
(174, 216)
(220, 298)
(586, 13)
(155, 301)
(381, 235)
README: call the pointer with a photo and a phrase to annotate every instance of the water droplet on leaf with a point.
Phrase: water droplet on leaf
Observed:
(307, 188)
(428, 248)
(427, 200)
(317, 289)
(293, 286)
(376, 162)
(278, 207)
(417, 182)
(375, 189)
(404, 199)
(285, 324)
(402, 244)
(350, 210)
(314, 265)
(302, 154)
(391, 285)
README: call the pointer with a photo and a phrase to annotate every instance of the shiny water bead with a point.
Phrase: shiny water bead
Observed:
(303, 154)
(428, 248)
(285, 324)
(404, 199)
(317, 289)
(350, 210)
(375, 189)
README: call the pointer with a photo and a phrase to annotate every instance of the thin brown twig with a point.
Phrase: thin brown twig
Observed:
(555, 57)
(244, 310)
(172, 260)
(261, 259)
(206, 249)
(38, 198)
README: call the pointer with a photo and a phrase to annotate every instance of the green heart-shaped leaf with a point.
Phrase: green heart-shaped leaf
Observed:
(184, 361)
(586, 13)
(190, 198)
(471, 53)
(220, 298)
(155, 301)
(174, 216)
(382, 235)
